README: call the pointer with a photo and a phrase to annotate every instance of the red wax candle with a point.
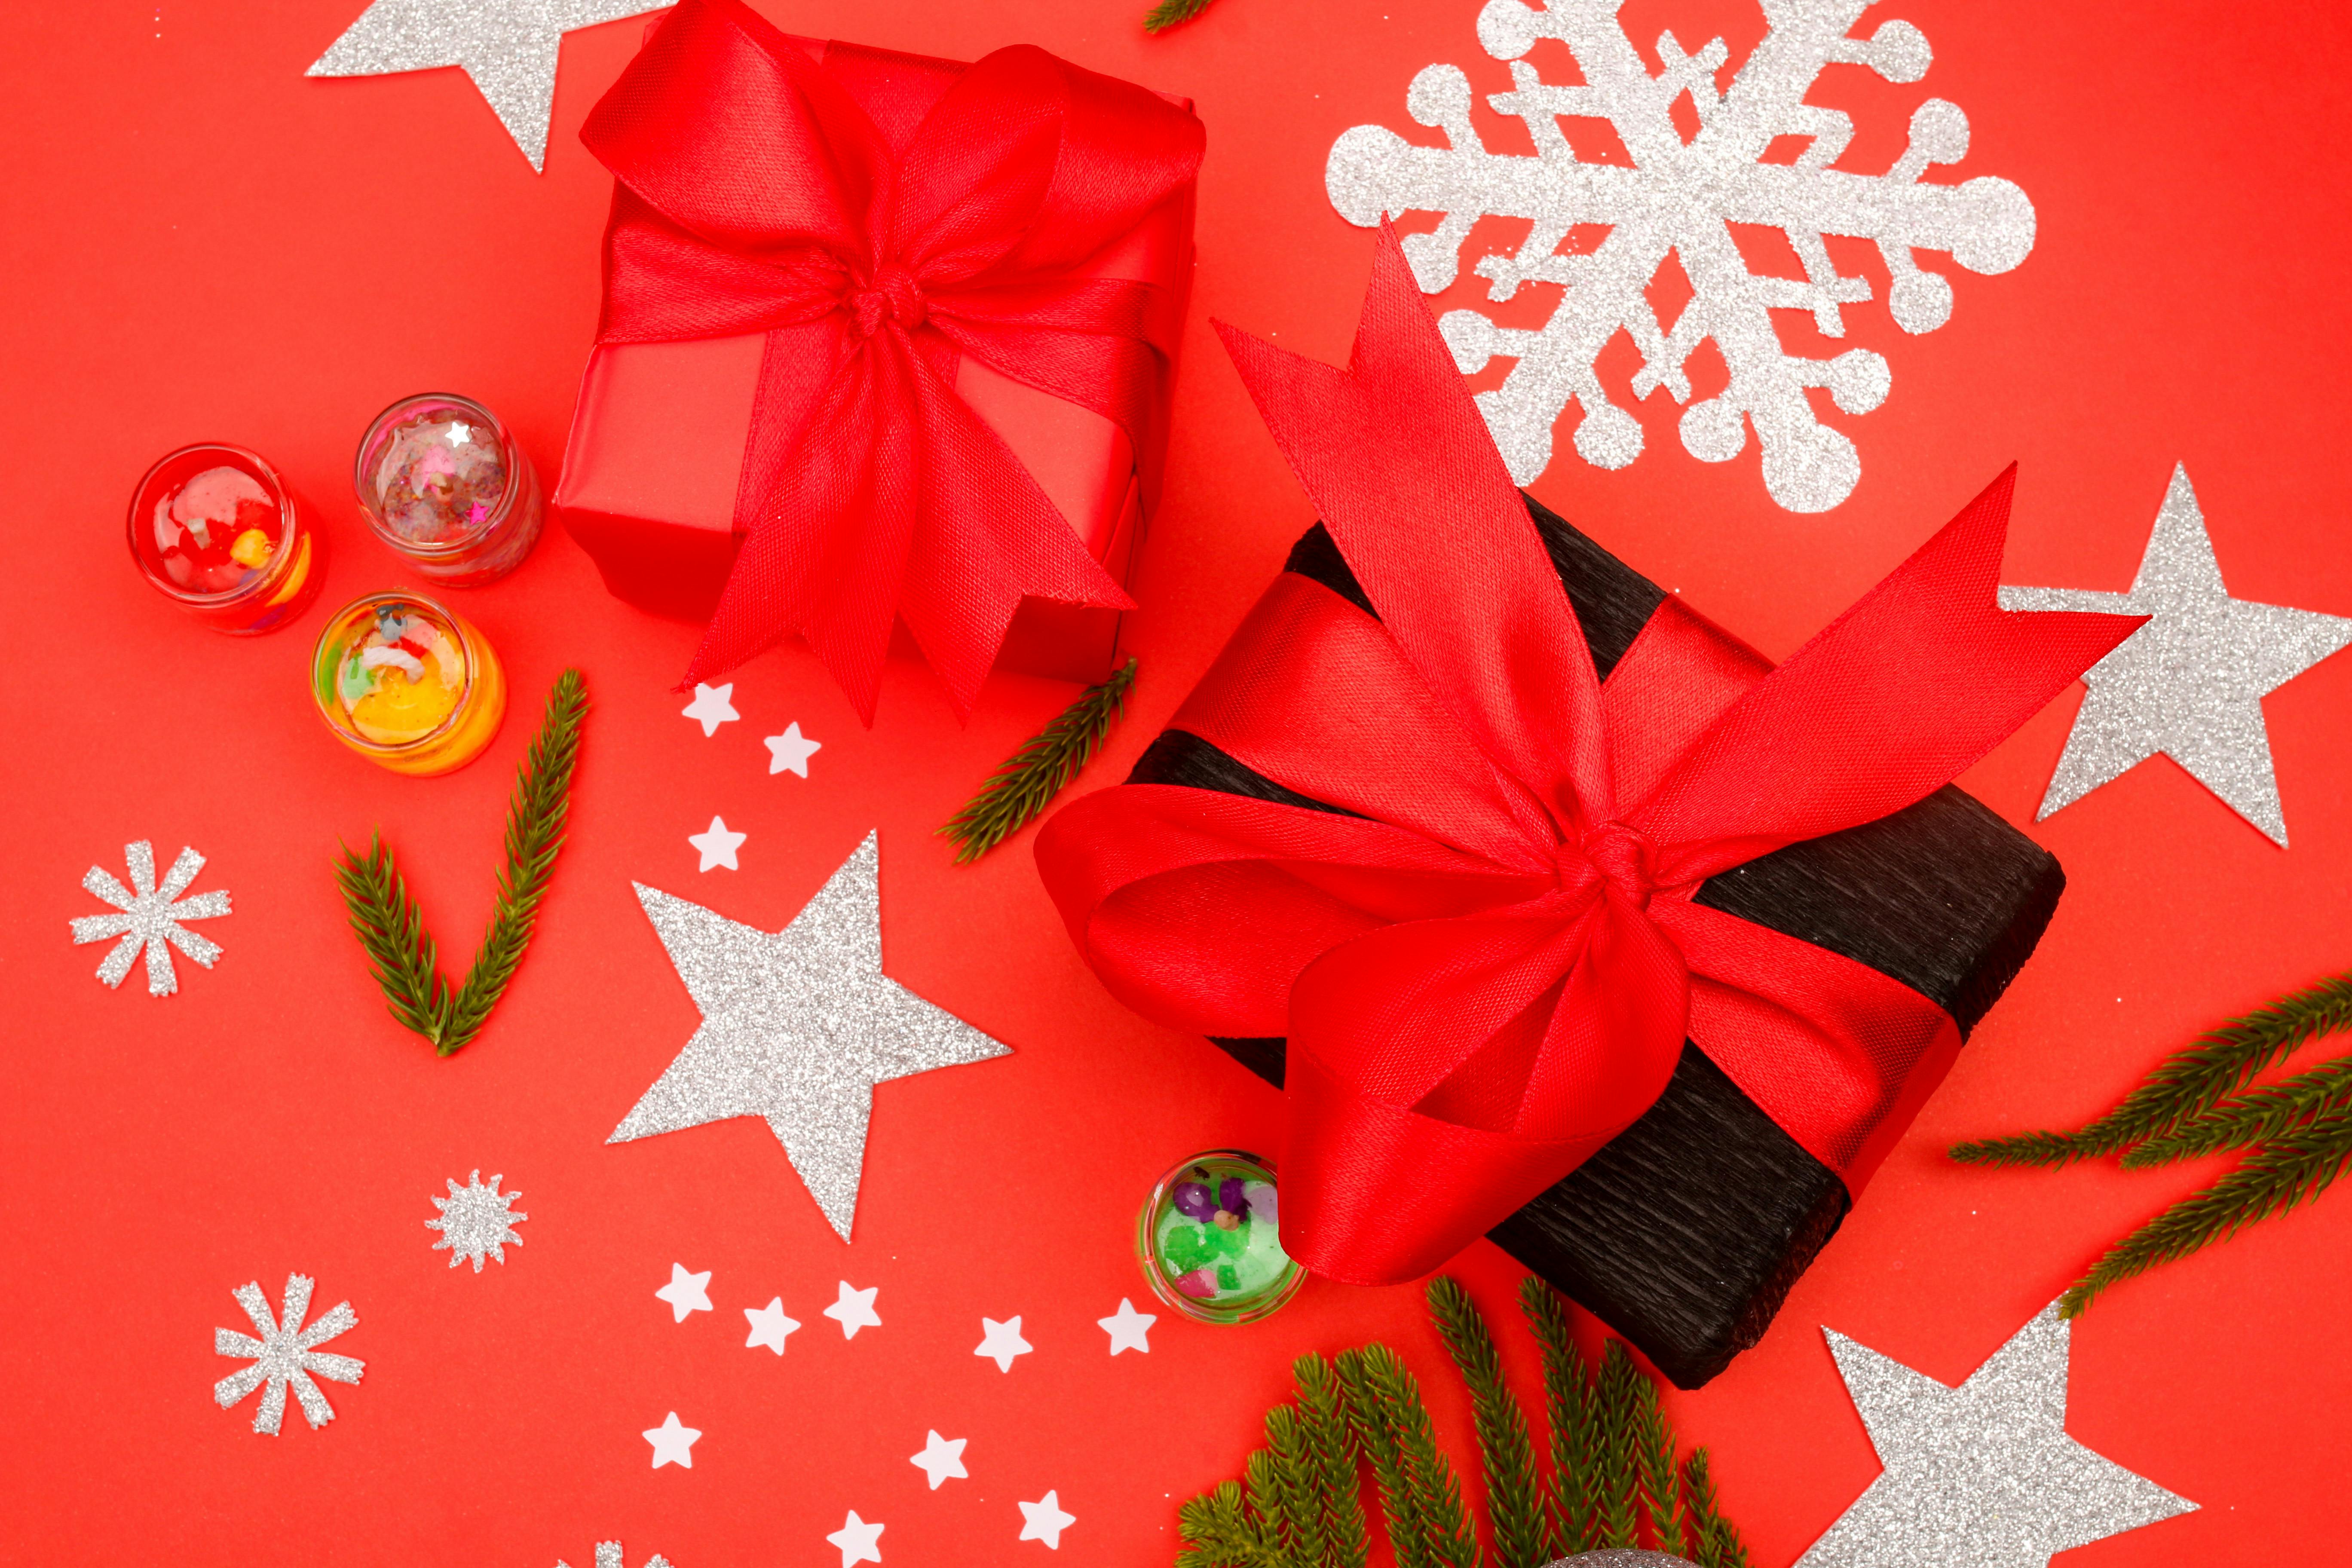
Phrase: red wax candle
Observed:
(214, 528)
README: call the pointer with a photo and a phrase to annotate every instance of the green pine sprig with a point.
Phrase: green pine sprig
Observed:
(2199, 1102)
(390, 927)
(1172, 13)
(1025, 782)
(1612, 1462)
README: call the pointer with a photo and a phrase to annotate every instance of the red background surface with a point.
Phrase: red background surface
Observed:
(199, 242)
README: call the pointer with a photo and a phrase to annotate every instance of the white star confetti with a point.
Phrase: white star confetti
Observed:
(1981, 1476)
(716, 846)
(608, 1555)
(1045, 1521)
(1002, 1341)
(1127, 1328)
(1680, 201)
(790, 751)
(686, 1292)
(769, 1325)
(673, 1443)
(854, 1310)
(509, 50)
(859, 1540)
(460, 434)
(2190, 683)
(476, 1221)
(151, 918)
(941, 1459)
(285, 1356)
(711, 707)
(798, 1026)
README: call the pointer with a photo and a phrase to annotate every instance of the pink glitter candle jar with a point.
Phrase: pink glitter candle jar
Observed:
(215, 530)
(442, 482)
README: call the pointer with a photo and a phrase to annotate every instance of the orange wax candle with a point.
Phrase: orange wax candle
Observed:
(407, 684)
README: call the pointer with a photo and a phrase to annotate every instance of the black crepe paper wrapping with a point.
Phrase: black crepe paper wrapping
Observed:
(1687, 1231)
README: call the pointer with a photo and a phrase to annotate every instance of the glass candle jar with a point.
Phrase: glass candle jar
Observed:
(407, 684)
(1210, 1240)
(442, 482)
(217, 532)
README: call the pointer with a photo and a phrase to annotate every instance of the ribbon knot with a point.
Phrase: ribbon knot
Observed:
(892, 295)
(1618, 855)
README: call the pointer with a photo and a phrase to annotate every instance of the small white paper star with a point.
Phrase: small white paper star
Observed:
(460, 434)
(2190, 683)
(1984, 1474)
(1126, 1328)
(859, 1541)
(790, 751)
(1045, 1521)
(673, 1444)
(941, 1459)
(686, 1292)
(717, 845)
(1002, 1341)
(509, 50)
(854, 1310)
(149, 918)
(712, 706)
(769, 1325)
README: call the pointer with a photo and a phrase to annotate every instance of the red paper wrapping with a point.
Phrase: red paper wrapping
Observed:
(655, 462)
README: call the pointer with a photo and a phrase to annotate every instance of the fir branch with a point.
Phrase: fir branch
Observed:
(1506, 1454)
(1368, 1418)
(2276, 1177)
(2257, 1116)
(1566, 1398)
(390, 929)
(1172, 13)
(2190, 1083)
(1296, 1507)
(1025, 782)
(1615, 1479)
(1659, 1480)
(1437, 1490)
(535, 820)
(1222, 1534)
(1718, 1542)
(1323, 1414)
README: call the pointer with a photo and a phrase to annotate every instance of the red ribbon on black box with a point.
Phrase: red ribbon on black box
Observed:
(1487, 960)
(882, 220)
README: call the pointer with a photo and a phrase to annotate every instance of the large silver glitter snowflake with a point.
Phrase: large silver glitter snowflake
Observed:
(476, 1221)
(1679, 195)
(608, 1555)
(150, 917)
(285, 1355)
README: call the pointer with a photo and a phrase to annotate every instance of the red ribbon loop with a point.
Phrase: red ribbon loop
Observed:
(1488, 969)
(758, 196)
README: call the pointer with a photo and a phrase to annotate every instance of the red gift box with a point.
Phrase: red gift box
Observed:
(656, 486)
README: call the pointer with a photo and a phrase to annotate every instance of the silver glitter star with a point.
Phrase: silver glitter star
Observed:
(2189, 683)
(798, 1026)
(507, 46)
(1981, 1476)
(150, 918)
(476, 1221)
(285, 1356)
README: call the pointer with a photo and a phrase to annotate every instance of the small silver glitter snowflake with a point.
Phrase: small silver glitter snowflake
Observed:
(476, 1221)
(150, 918)
(285, 1356)
(608, 1555)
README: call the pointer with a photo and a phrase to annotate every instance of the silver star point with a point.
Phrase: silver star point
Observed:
(1984, 1474)
(150, 918)
(2190, 683)
(798, 1026)
(507, 46)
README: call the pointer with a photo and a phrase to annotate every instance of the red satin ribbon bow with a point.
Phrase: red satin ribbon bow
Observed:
(1489, 970)
(757, 196)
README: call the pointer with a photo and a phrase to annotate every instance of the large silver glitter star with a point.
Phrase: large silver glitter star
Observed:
(507, 46)
(1981, 1476)
(2189, 683)
(798, 1026)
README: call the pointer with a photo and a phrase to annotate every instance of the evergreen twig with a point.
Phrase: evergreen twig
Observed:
(1368, 1418)
(1323, 1413)
(1659, 1480)
(2255, 1116)
(1718, 1543)
(2190, 1083)
(390, 927)
(1223, 1534)
(1616, 1480)
(1172, 13)
(1507, 1455)
(1566, 1400)
(1025, 782)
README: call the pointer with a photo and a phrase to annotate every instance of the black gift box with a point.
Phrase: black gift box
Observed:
(1687, 1231)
